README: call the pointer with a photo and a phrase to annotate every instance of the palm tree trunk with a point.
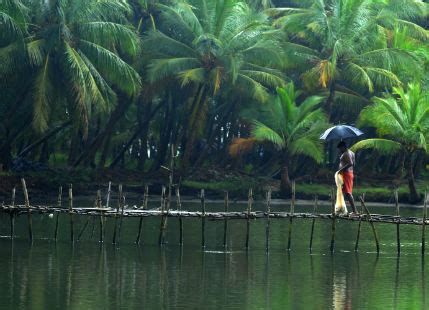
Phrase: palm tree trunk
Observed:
(115, 116)
(414, 196)
(330, 100)
(74, 146)
(285, 183)
(418, 164)
(105, 151)
(192, 132)
(43, 139)
(212, 131)
(164, 135)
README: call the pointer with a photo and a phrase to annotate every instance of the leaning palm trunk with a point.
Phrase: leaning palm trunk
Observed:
(414, 196)
(197, 119)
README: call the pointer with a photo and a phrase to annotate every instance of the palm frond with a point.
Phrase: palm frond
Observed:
(357, 75)
(195, 75)
(252, 87)
(309, 105)
(268, 79)
(160, 44)
(36, 52)
(382, 77)
(307, 146)
(384, 146)
(108, 34)
(112, 66)
(13, 20)
(262, 132)
(102, 10)
(412, 29)
(161, 68)
(391, 59)
(12, 57)
(348, 102)
(84, 85)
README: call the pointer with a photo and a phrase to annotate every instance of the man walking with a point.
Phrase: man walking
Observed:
(347, 163)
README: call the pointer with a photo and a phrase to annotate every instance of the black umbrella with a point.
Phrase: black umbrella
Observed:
(340, 132)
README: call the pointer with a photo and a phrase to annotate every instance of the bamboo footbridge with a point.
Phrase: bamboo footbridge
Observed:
(100, 212)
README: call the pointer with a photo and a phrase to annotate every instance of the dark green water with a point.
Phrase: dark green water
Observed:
(88, 275)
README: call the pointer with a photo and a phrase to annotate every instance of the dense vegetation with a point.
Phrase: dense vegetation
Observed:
(231, 85)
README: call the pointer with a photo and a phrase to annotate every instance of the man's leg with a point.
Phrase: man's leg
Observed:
(351, 200)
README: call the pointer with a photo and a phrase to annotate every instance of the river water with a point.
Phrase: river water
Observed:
(90, 275)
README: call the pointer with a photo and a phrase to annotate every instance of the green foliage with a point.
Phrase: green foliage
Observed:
(402, 119)
(292, 128)
(79, 40)
(132, 78)
(216, 43)
(347, 42)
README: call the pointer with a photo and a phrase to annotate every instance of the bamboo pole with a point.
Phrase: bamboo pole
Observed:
(57, 215)
(333, 228)
(12, 214)
(116, 213)
(225, 221)
(249, 210)
(313, 222)
(292, 211)
(163, 217)
(267, 221)
(424, 223)
(71, 212)
(179, 207)
(108, 194)
(374, 231)
(27, 205)
(145, 198)
(97, 205)
(167, 199)
(203, 219)
(101, 238)
(121, 216)
(398, 238)
(359, 226)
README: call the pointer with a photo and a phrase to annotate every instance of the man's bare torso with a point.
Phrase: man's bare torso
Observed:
(348, 157)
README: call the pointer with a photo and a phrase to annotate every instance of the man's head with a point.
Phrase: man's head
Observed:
(342, 146)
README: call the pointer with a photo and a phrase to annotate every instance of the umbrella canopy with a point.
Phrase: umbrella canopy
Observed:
(340, 132)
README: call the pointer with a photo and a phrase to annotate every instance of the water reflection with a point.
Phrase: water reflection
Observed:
(91, 275)
(339, 292)
(396, 290)
(423, 282)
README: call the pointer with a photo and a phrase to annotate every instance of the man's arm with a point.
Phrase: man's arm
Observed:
(345, 168)
(348, 162)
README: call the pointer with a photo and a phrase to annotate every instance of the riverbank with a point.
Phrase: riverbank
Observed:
(215, 183)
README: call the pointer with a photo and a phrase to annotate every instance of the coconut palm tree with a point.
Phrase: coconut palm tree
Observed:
(75, 50)
(346, 46)
(402, 123)
(211, 46)
(293, 129)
